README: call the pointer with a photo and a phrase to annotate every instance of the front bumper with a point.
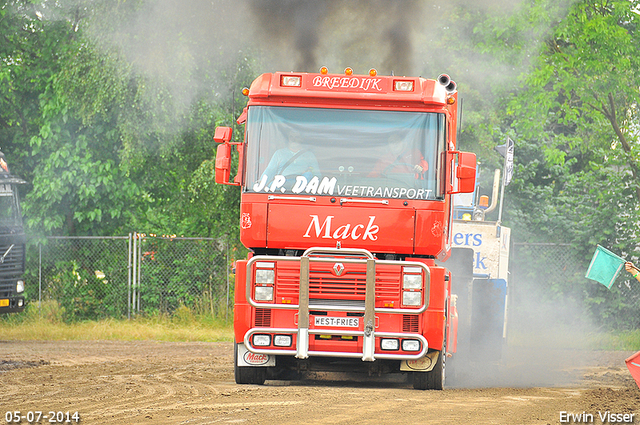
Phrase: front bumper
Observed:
(366, 331)
(12, 304)
(300, 348)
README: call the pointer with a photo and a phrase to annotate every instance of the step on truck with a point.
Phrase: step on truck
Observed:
(346, 204)
(12, 242)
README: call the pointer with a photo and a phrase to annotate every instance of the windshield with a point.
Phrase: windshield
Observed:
(343, 152)
(9, 207)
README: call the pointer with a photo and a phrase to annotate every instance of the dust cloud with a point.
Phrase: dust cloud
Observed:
(548, 339)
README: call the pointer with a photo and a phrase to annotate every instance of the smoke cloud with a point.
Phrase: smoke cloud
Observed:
(192, 42)
(338, 33)
(195, 46)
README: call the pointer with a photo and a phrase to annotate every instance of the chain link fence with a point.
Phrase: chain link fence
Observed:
(122, 276)
(548, 281)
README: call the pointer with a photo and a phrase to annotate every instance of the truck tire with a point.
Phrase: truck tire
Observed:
(247, 375)
(434, 379)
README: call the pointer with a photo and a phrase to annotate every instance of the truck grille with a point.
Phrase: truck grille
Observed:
(263, 317)
(7, 288)
(347, 289)
(410, 323)
(12, 266)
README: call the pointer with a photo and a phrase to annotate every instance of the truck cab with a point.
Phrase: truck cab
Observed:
(346, 187)
(12, 242)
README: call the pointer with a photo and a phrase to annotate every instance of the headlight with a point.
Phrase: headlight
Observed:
(265, 276)
(262, 340)
(20, 286)
(411, 298)
(412, 281)
(410, 345)
(389, 344)
(264, 293)
(282, 340)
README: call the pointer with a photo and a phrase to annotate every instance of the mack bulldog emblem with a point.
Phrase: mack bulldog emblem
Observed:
(255, 359)
(245, 221)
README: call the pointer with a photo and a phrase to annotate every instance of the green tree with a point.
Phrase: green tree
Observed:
(106, 144)
(579, 108)
(575, 116)
(58, 136)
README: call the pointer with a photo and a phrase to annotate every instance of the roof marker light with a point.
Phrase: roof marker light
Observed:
(245, 91)
(373, 72)
(324, 70)
(291, 81)
(400, 85)
(348, 71)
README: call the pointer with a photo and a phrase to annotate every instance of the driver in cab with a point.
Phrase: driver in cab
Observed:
(291, 161)
(400, 160)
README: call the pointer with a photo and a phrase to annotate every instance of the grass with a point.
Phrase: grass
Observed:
(183, 325)
(564, 337)
(47, 324)
(625, 340)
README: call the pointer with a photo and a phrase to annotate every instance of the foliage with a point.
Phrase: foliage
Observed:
(576, 112)
(113, 127)
(104, 146)
(575, 115)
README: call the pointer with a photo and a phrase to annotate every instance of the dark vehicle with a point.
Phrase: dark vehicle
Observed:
(12, 242)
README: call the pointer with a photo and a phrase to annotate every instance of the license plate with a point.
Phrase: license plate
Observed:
(4, 303)
(349, 322)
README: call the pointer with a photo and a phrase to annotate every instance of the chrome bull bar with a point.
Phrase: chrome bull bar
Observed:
(368, 334)
(294, 352)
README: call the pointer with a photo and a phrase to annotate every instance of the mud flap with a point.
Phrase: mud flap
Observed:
(247, 358)
(424, 364)
(488, 318)
(461, 265)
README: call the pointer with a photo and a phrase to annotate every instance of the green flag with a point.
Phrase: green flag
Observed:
(605, 266)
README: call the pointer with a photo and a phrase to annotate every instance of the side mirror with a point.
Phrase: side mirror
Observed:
(223, 134)
(223, 155)
(465, 172)
(223, 163)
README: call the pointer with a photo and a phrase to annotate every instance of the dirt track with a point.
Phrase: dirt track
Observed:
(112, 382)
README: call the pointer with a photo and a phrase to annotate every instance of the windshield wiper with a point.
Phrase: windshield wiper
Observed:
(5, 254)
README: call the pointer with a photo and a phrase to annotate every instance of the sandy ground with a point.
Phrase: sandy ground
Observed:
(113, 382)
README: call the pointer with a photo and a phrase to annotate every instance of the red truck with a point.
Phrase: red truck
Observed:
(346, 205)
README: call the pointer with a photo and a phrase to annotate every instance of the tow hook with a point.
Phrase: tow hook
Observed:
(368, 329)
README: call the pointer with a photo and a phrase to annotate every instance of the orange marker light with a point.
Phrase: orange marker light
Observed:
(245, 91)
(324, 70)
(348, 71)
(373, 72)
(451, 100)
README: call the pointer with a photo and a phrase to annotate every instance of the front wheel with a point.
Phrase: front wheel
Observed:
(247, 375)
(434, 379)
